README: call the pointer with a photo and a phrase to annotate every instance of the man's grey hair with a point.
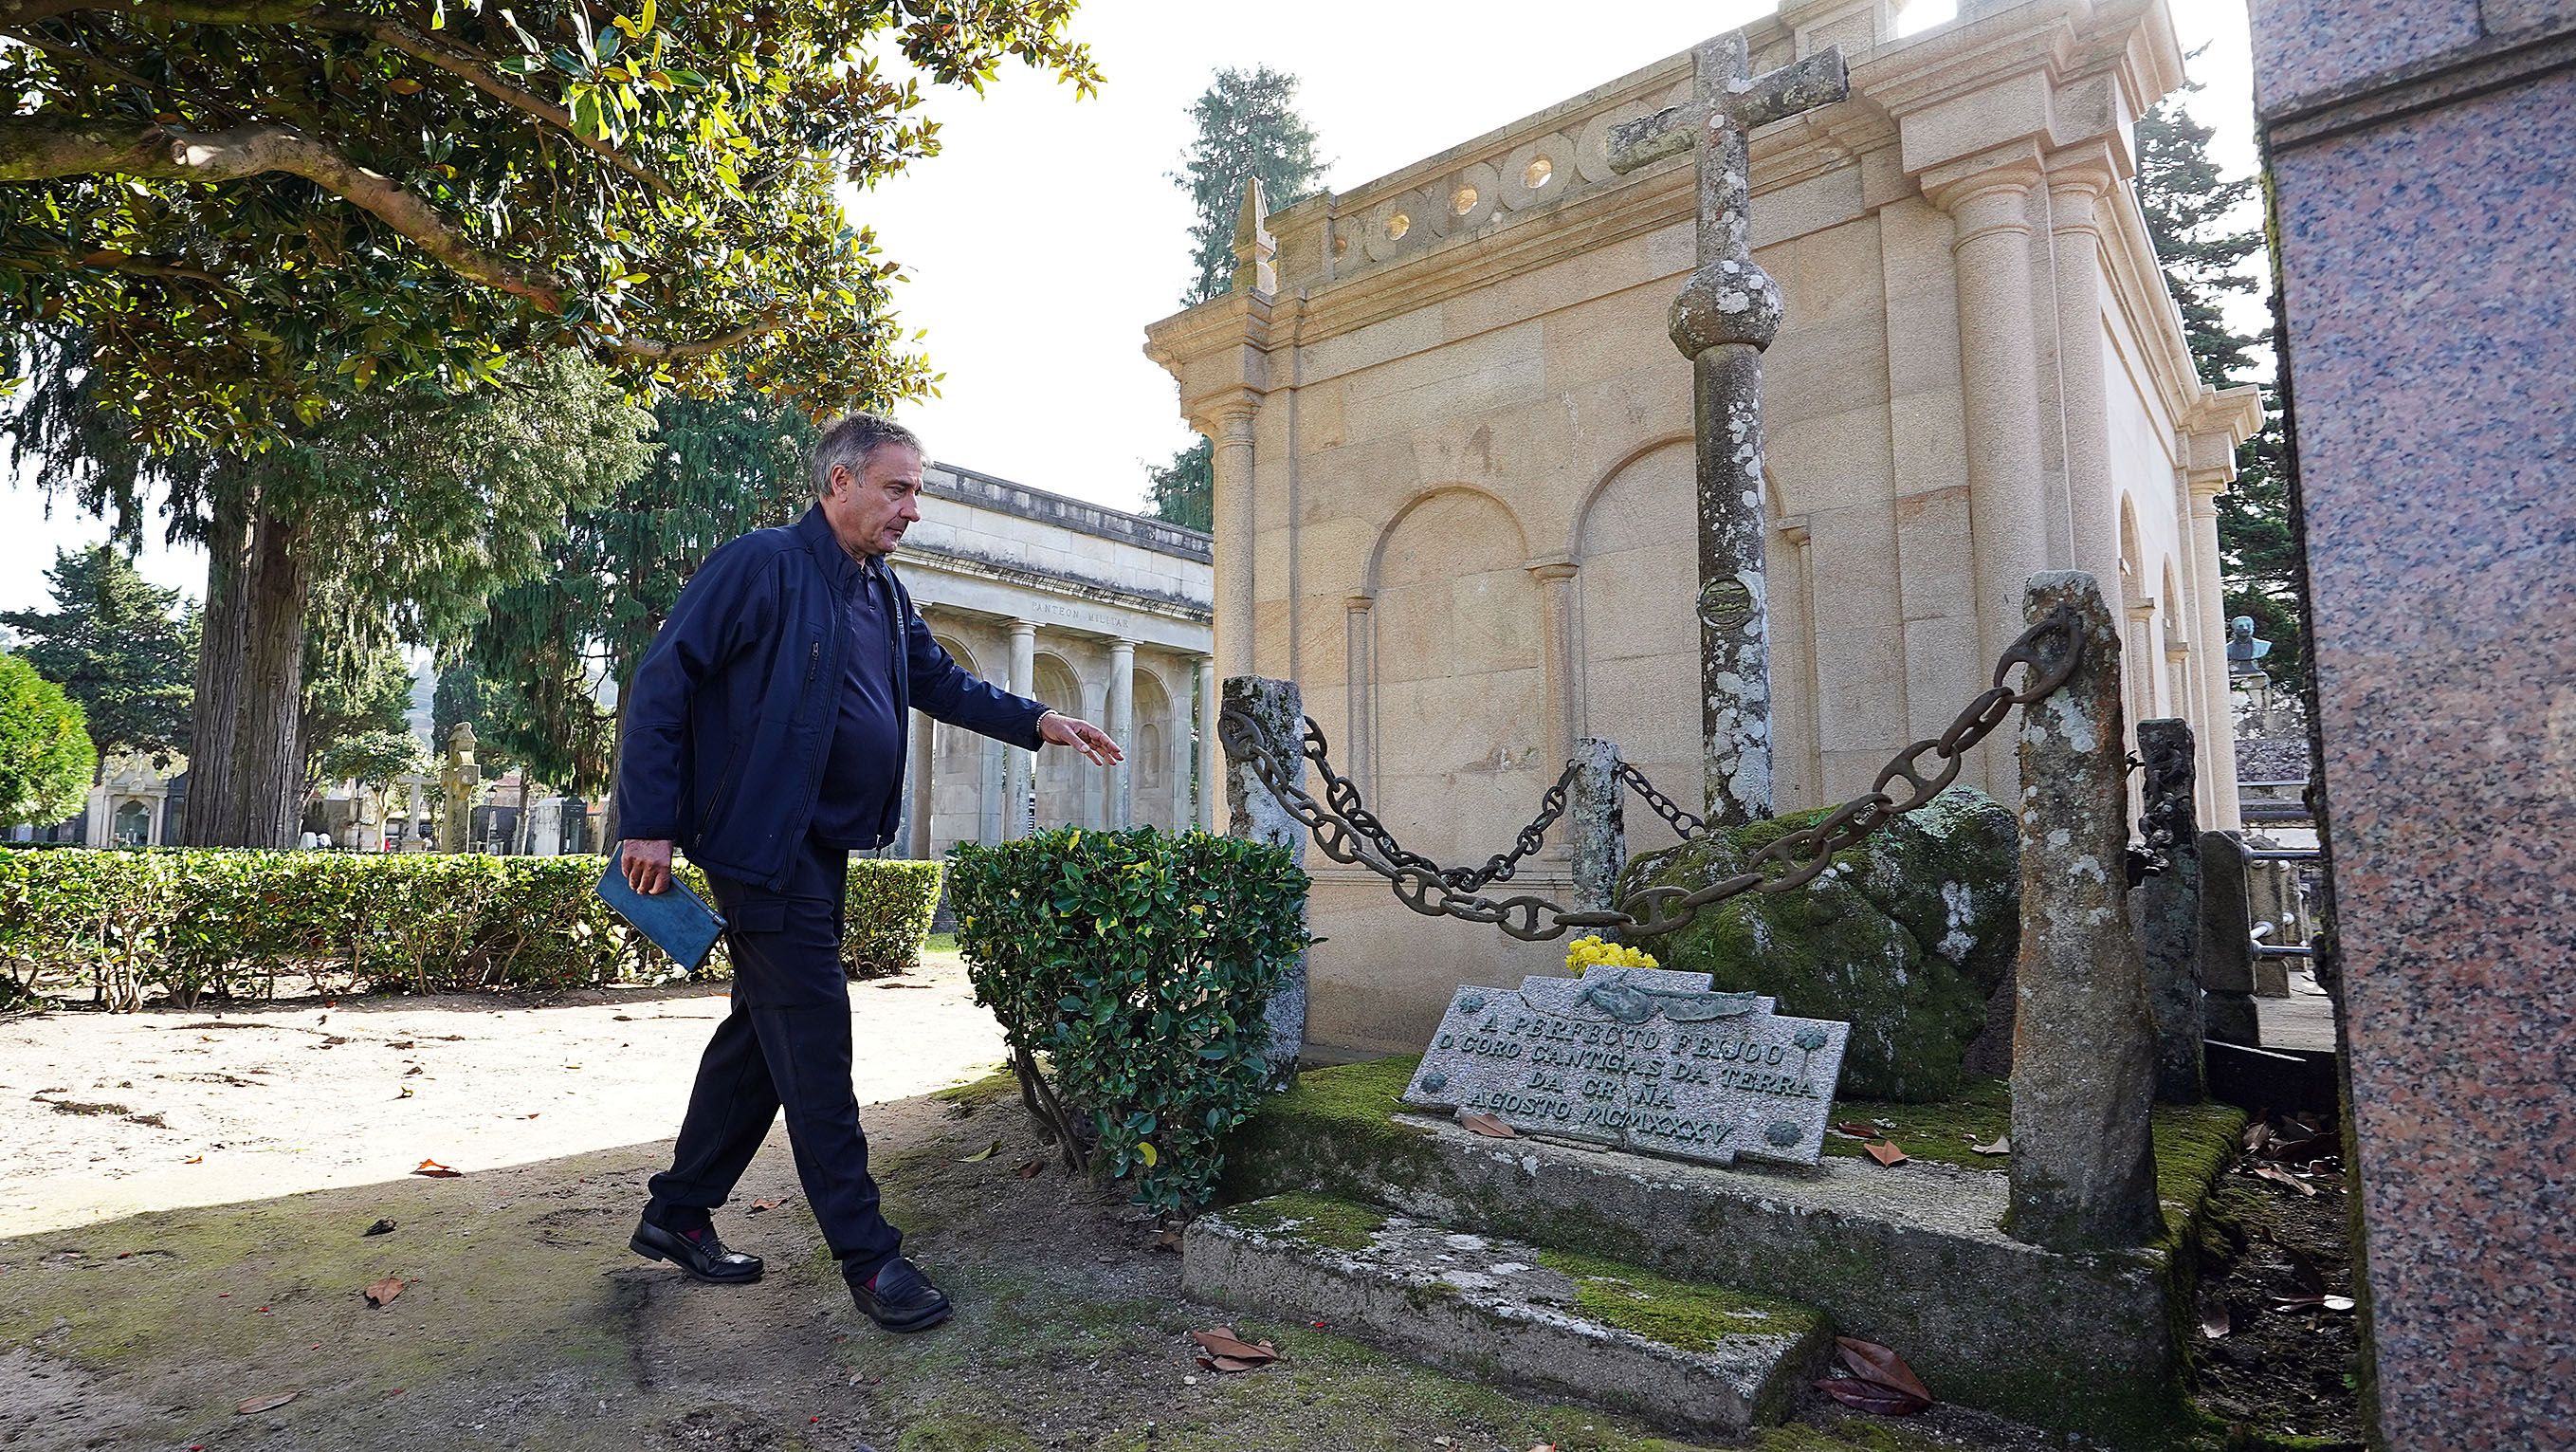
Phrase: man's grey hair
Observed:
(850, 441)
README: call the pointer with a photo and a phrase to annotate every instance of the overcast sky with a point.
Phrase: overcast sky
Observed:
(1047, 236)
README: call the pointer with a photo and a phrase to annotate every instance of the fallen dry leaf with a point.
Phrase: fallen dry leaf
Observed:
(1856, 1129)
(381, 1227)
(1228, 1352)
(2214, 1320)
(2001, 1146)
(986, 1153)
(1028, 1169)
(2257, 1135)
(1869, 1396)
(382, 1293)
(2311, 1301)
(1885, 1153)
(270, 1402)
(1873, 1362)
(759, 1205)
(1168, 1240)
(2284, 1177)
(1486, 1124)
(2304, 1273)
(406, 1092)
(436, 1171)
(194, 1160)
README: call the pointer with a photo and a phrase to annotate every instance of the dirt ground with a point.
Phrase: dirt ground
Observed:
(144, 1298)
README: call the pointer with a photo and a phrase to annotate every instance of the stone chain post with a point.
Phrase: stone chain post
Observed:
(2083, 1076)
(2226, 944)
(2165, 911)
(1254, 812)
(1597, 824)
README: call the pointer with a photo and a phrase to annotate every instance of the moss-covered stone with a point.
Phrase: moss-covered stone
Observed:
(1906, 936)
(1689, 1314)
(1315, 1219)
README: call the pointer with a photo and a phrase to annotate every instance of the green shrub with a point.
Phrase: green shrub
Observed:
(1137, 963)
(196, 921)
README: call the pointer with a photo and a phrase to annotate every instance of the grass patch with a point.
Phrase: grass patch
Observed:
(939, 943)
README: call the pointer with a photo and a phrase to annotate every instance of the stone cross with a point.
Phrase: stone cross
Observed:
(1726, 315)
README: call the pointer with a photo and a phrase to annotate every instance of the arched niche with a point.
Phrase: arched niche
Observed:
(1459, 697)
(1063, 779)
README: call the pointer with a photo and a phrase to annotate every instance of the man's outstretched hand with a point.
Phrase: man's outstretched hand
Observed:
(648, 866)
(1062, 730)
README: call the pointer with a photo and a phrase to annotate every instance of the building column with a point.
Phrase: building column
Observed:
(1020, 766)
(925, 780)
(1211, 773)
(1999, 385)
(1122, 729)
(1094, 792)
(2077, 182)
(1180, 754)
(2218, 698)
(1231, 487)
(1555, 578)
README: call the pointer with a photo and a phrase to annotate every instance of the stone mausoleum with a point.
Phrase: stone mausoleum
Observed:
(1454, 466)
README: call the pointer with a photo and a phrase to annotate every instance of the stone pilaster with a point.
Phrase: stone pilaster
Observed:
(2083, 1076)
(2078, 180)
(1211, 772)
(1557, 649)
(1231, 487)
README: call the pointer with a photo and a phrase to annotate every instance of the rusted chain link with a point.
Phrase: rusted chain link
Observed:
(1348, 832)
(1684, 824)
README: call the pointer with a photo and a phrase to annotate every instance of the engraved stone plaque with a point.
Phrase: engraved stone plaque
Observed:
(1645, 1059)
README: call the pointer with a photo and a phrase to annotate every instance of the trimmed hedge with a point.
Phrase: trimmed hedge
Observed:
(195, 921)
(1138, 963)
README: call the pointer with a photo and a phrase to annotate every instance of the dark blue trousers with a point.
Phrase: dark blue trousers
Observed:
(784, 1045)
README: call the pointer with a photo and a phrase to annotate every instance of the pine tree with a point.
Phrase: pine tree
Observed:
(46, 762)
(2191, 212)
(1248, 127)
(120, 646)
(550, 650)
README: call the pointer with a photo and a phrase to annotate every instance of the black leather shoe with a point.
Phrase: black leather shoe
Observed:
(903, 1300)
(700, 1254)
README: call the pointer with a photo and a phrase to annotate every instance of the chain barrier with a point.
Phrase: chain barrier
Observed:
(1348, 832)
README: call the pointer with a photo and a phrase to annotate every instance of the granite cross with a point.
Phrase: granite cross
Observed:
(1726, 315)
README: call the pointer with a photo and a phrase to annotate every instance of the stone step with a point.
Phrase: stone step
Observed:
(1915, 1258)
(1690, 1358)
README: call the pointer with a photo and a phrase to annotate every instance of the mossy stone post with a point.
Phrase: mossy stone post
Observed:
(1596, 823)
(2165, 911)
(2083, 1077)
(1253, 811)
(2226, 943)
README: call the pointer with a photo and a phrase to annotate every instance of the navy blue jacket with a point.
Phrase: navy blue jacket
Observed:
(730, 717)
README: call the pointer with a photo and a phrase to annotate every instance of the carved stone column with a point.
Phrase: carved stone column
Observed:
(1211, 773)
(2217, 703)
(925, 782)
(1122, 729)
(1359, 677)
(2077, 182)
(1020, 765)
(1234, 517)
(1999, 386)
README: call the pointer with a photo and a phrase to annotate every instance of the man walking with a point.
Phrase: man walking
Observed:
(765, 733)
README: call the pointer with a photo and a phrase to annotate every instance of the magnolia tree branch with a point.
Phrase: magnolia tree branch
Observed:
(44, 147)
(36, 148)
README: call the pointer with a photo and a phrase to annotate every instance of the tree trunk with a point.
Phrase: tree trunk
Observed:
(214, 807)
(268, 758)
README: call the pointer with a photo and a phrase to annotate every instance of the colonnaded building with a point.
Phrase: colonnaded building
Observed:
(1454, 487)
(1099, 613)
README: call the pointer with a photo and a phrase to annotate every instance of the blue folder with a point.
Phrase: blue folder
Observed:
(676, 921)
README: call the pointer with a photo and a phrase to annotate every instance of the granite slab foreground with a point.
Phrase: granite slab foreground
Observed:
(1913, 1257)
